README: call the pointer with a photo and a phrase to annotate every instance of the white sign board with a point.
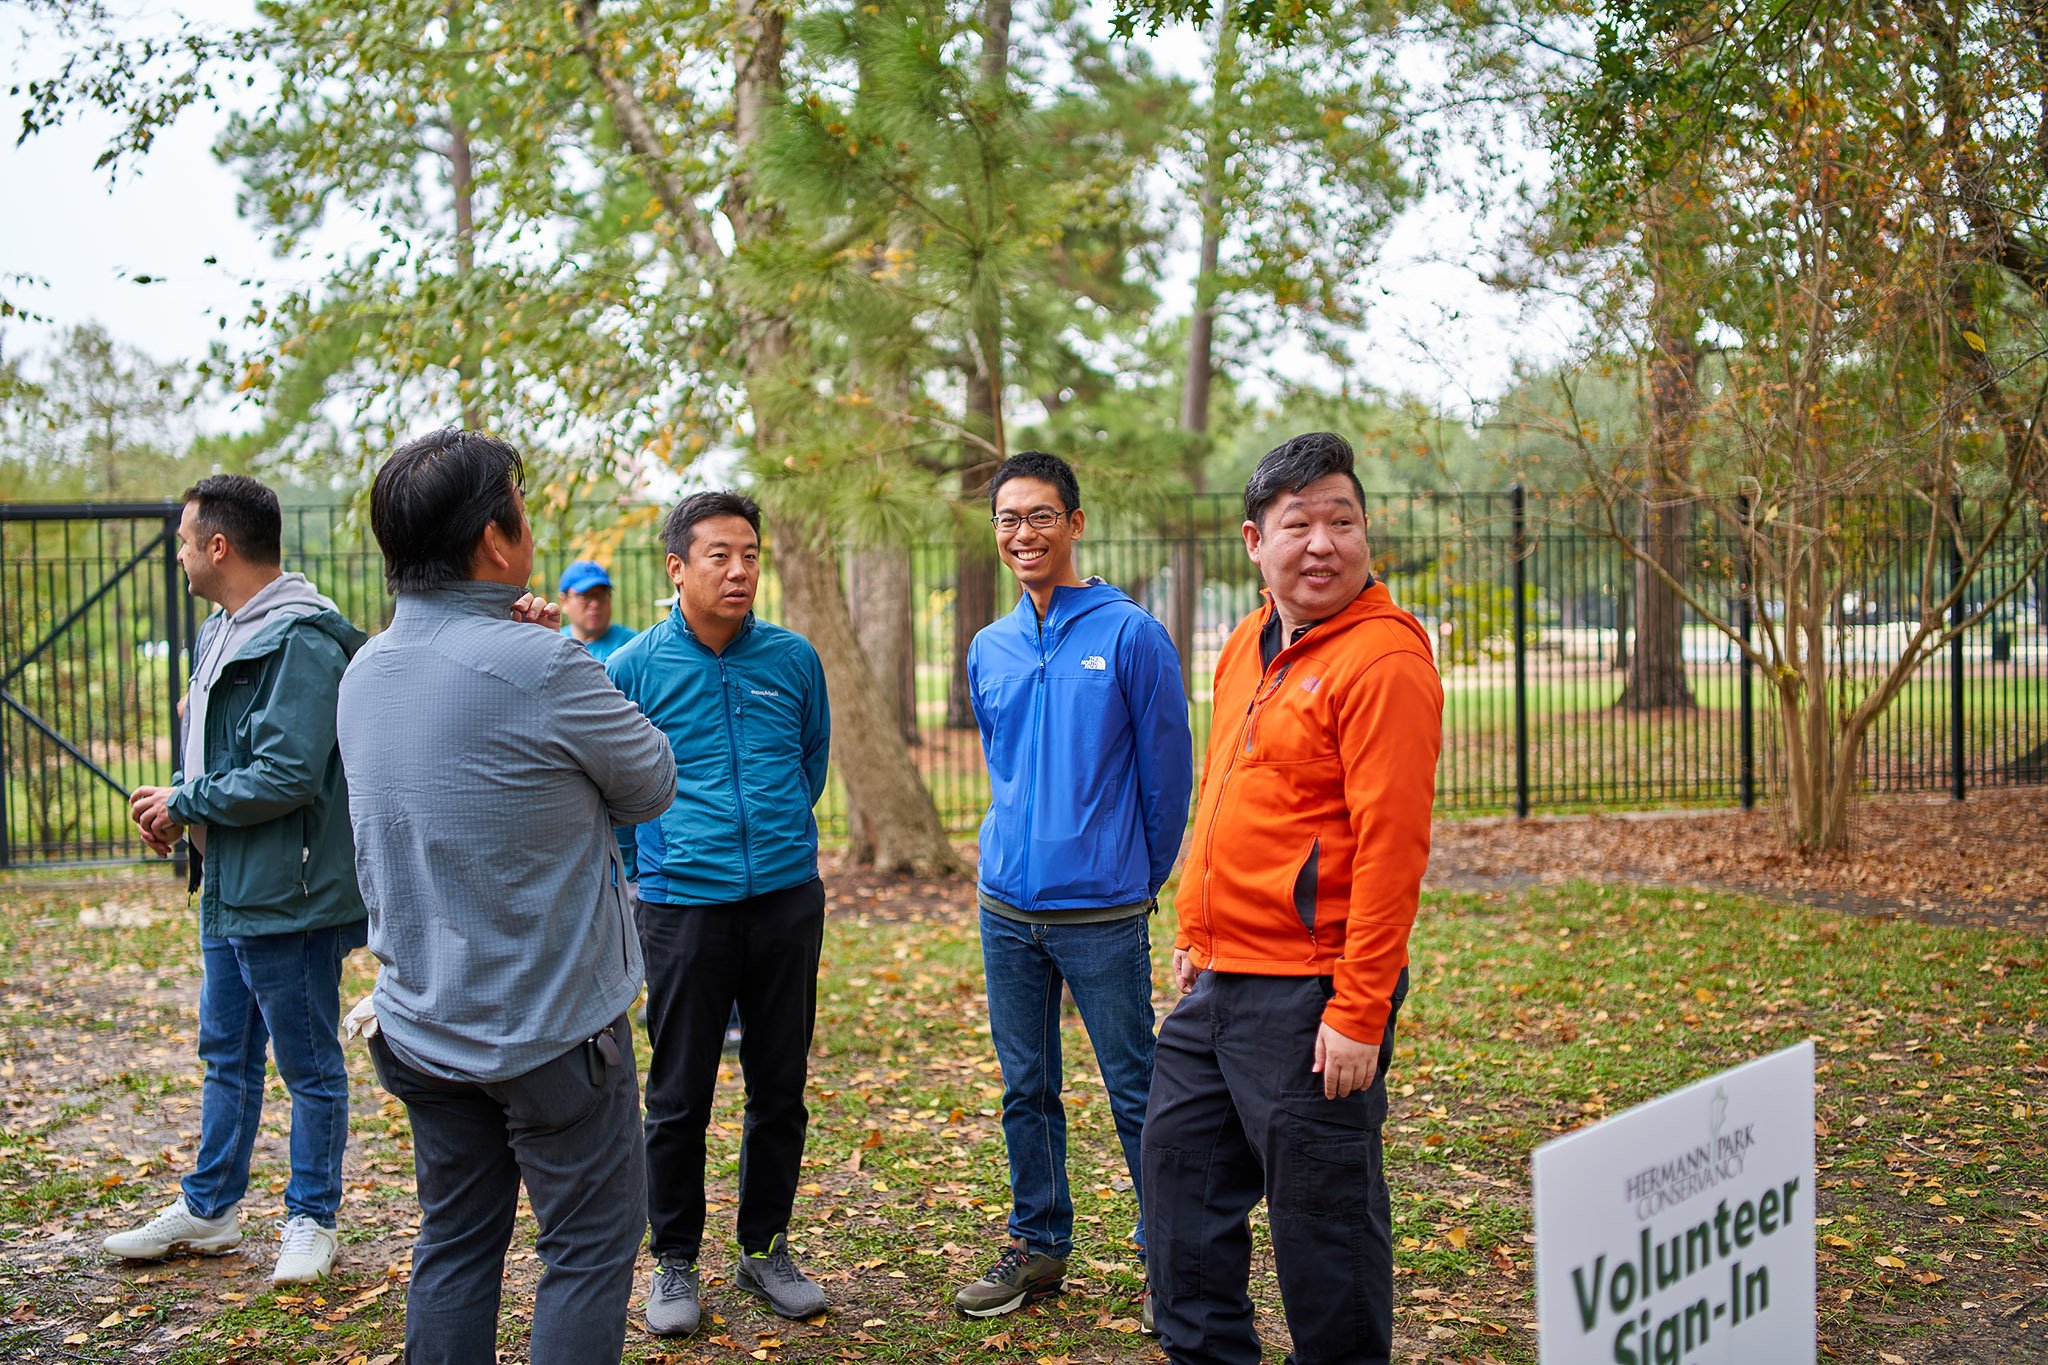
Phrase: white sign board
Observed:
(1680, 1232)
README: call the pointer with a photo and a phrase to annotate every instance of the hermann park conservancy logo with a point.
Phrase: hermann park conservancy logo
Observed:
(1696, 1170)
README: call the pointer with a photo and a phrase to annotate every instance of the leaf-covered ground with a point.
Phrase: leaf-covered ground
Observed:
(1983, 860)
(1534, 1011)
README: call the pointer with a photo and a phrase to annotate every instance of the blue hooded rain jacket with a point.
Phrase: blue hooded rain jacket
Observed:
(1084, 723)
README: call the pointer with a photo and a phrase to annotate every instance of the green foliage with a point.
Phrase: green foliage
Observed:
(94, 418)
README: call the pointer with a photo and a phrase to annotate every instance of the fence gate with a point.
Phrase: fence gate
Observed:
(93, 620)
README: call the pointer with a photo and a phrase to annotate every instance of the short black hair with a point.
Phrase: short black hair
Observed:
(681, 526)
(1036, 464)
(1293, 465)
(243, 510)
(433, 498)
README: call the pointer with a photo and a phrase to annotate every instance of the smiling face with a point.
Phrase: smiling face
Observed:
(1042, 557)
(1311, 550)
(715, 585)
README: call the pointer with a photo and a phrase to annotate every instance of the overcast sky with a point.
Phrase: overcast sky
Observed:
(1436, 330)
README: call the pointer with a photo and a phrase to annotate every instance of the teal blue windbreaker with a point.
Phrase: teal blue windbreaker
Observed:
(751, 729)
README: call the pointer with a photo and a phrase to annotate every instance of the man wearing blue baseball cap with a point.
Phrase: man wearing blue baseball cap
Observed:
(587, 609)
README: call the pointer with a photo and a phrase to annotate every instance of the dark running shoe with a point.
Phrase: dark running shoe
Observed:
(1019, 1277)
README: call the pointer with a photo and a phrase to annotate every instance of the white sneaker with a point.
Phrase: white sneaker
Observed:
(305, 1252)
(177, 1229)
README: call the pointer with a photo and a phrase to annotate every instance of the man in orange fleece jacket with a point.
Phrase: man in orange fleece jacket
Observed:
(1295, 903)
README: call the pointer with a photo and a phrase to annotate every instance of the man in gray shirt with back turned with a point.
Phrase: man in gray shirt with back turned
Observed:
(488, 762)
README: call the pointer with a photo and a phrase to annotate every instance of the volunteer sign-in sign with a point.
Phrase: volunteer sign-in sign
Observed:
(1681, 1231)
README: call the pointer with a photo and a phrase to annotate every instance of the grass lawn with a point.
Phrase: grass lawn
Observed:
(1529, 1016)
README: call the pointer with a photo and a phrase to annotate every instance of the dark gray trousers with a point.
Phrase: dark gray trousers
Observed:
(573, 1136)
(1235, 1115)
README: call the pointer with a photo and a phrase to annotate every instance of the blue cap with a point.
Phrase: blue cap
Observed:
(584, 575)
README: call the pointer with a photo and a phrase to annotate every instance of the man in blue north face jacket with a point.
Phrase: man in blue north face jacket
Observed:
(1084, 723)
(730, 906)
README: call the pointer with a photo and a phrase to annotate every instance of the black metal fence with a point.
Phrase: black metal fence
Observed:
(1532, 609)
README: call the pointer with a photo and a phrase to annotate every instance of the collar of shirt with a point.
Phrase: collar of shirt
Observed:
(1270, 644)
(471, 597)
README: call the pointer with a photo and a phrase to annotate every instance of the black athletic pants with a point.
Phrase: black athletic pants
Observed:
(761, 953)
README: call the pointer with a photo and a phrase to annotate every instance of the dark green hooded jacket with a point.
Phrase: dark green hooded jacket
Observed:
(280, 857)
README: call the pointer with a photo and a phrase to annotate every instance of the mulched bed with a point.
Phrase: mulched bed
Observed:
(1982, 861)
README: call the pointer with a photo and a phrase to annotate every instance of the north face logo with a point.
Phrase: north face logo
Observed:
(1095, 661)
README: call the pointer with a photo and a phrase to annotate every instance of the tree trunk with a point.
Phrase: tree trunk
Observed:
(879, 593)
(1200, 375)
(974, 600)
(462, 188)
(880, 600)
(1656, 677)
(1199, 379)
(895, 811)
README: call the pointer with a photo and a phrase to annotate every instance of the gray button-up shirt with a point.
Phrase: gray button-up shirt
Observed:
(488, 760)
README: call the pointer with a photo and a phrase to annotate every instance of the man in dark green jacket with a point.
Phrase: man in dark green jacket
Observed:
(261, 797)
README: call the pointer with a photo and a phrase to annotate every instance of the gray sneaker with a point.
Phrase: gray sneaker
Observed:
(775, 1277)
(672, 1308)
(1019, 1276)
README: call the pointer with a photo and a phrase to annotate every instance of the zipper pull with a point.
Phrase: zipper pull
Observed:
(305, 856)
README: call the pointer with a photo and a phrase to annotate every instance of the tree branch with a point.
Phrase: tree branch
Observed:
(640, 135)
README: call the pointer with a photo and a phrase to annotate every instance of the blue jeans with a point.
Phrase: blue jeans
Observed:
(283, 990)
(1109, 969)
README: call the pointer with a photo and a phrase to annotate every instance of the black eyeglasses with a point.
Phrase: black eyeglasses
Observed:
(1043, 519)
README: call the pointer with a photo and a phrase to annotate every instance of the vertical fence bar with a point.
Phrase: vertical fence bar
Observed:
(174, 648)
(1746, 675)
(6, 771)
(1519, 579)
(1958, 780)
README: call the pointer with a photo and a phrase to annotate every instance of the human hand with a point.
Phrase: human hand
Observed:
(149, 807)
(1345, 1064)
(537, 610)
(162, 835)
(1184, 970)
(361, 1021)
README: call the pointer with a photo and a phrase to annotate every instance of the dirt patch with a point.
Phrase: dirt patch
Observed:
(861, 891)
(1982, 861)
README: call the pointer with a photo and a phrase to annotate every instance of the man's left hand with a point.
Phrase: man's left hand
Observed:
(1345, 1065)
(538, 610)
(150, 809)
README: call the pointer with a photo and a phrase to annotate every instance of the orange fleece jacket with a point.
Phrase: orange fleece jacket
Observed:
(1312, 831)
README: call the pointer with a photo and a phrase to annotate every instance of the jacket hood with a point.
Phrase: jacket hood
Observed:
(1375, 603)
(1070, 604)
(288, 601)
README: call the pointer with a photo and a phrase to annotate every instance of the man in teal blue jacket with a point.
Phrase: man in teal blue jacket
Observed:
(1085, 727)
(731, 909)
(262, 799)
